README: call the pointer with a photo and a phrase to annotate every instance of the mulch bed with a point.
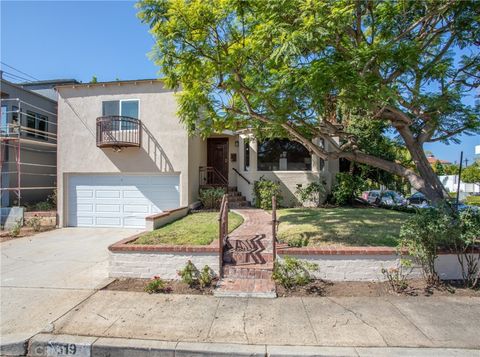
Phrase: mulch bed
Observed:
(173, 287)
(24, 232)
(319, 288)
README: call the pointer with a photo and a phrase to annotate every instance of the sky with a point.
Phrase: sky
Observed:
(82, 39)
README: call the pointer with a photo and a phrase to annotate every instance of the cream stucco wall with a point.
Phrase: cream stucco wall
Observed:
(164, 148)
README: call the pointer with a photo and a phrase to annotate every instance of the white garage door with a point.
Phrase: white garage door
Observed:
(119, 200)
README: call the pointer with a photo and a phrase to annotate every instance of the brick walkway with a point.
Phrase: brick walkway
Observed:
(248, 274)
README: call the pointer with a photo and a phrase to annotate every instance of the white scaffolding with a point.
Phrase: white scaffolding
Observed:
(16, 136)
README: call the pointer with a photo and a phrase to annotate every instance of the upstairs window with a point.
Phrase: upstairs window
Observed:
(38, 124)
(125, 108)
(283, 155)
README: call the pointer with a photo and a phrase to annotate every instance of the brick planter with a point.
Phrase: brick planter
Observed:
(145, 261)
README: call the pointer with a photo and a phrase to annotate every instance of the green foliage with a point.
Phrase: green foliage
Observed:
(423, 234)
(211, 197)
(94, 79)
(156, 285)
(194, 278)
(466, 243)
(471, 174)
(292, 272)
(190, 274)
(15, 231)
(346, 188)
(438, 168)
(312, 193)
(397, 277)
(473, 200)
(263, 191)
(35, 223)
(206, 277)
(293, 68)
(450, 169)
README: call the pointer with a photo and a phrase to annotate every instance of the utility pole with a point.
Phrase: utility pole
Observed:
(466, 162)
(459, 178)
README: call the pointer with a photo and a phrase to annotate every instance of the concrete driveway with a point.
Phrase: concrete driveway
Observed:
(45, 276)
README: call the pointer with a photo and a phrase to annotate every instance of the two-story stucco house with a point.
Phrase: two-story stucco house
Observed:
(123, 155)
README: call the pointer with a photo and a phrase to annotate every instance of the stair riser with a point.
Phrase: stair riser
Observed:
(247, 273)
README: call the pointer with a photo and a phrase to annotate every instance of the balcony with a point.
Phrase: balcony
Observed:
(118, 131)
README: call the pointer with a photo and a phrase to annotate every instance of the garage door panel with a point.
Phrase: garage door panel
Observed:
(120, 200)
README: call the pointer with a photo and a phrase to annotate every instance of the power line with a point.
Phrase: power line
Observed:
(26, 74)
(14, 77)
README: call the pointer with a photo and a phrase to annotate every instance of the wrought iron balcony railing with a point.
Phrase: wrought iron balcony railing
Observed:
(118, 131)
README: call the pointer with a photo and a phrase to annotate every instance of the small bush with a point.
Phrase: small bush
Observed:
(293, 272)
(206, 277)
(156, 285)
(34, 223)
(312, 193)
(263, 191)
(397, 276)
(190, 274)
(15, 231)
(465, 244)
(423, 234)
(347, 187)
(298, 241)
(211, 198)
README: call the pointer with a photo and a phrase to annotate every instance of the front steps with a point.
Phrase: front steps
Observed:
(235, 199)
(248, 259)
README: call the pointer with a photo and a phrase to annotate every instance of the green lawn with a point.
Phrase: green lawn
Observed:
(340, 226)
(193, 229)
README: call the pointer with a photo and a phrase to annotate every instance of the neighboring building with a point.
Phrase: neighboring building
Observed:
(125, 155)
(477, 153)
(28, 145)
(432, 160)
(46, 88)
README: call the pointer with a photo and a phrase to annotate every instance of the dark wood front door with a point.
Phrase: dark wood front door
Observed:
(217, 157)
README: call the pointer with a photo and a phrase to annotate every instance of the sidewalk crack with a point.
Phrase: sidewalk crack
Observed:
(359, 316)
(213, 320)
(410, 321)
(309, 321)
(245, 322)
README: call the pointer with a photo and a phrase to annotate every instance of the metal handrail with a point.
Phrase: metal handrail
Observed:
(222, 230)
(210, 180)
(118, 131)
(243, 177)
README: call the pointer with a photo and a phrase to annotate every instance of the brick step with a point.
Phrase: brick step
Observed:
(238, 287)
(238, 198)
(232, 189)
(234, 194)
(245, 272)
(239, 204)
(238, 257)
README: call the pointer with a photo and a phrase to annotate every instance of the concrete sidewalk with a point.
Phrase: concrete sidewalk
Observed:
(347, 322)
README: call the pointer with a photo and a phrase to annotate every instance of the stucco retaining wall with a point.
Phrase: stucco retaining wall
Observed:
(163, 264)
(366, 267)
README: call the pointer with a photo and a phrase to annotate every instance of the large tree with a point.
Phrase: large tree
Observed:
(315, 68)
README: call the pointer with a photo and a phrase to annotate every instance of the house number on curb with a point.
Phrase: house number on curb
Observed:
(54, 349)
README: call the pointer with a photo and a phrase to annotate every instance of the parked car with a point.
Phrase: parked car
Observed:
(389, 198)
(417, 198)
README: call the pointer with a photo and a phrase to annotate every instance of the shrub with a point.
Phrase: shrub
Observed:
(397, 276)
(35, 223)
(206, 277)
(312, 193)
(298, 241)
(423, 233)
(15, 231)
(190, 274)
(211, 198)
(263, 191)
(293, 272)
(473, 200)
(156, 285)
(346, 188)
(465, 244)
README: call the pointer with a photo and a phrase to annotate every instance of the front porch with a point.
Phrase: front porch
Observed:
(234, 161)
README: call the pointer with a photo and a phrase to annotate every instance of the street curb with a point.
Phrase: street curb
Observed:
(14, 345)
(88, 346)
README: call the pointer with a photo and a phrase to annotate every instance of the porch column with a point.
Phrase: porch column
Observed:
(253, 154)
(315, 159)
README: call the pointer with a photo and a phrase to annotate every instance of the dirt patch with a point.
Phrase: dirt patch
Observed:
(24, 232)
(318, 288)
(172, 287)
(375, 289)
